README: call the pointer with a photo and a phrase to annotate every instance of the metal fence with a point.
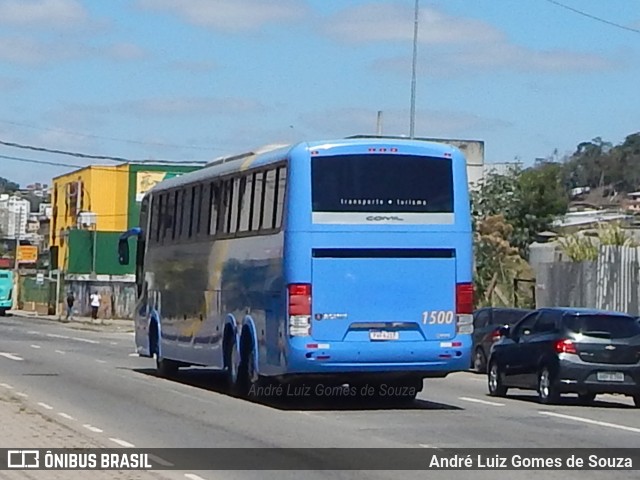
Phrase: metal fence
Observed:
(609, 283)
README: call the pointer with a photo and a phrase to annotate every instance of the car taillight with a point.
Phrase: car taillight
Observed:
(565, 346)
(464, 308)
(496, 335)
(299, 309)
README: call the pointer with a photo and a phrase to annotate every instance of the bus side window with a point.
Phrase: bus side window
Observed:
(245, 203)
(168, 215)
(234, 205)
(162, 207)
(268, 206)
(278, 213)
(204, 211)
(214, 209)
(155, 220)
(258, 199)
(178, 208)
(194, 209)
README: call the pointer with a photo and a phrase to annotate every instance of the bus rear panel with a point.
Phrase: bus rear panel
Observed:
(378, 260)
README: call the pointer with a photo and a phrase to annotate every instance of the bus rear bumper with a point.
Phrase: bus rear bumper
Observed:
(423, 358)
(6, 304)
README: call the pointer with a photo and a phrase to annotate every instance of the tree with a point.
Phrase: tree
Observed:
(497, 262)
(529, 200)
(7, 186)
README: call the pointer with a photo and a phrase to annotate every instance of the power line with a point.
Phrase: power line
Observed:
(593, 17)
(87, 156)
(70, 165)
(99, 137)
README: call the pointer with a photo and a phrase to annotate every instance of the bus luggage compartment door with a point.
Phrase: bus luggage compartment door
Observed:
(383, 299)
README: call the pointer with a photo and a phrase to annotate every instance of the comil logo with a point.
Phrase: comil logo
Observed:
(382, 218)
(23, 459)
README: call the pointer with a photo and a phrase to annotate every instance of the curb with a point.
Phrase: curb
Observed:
(81, 323)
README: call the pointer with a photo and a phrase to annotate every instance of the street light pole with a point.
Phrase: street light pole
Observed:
(413, 74)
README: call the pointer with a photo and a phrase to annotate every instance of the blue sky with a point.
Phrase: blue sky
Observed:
(197, 79)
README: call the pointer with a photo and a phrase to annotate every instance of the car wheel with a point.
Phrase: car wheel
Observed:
(547, 389)
(480, 361)
(494, 377)
(586, 398)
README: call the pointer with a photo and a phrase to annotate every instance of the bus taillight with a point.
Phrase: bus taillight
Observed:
(299, 309)
(464, 307)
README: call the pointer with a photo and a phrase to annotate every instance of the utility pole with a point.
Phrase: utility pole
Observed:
(16, 261)
(413, 74)
(379, 123)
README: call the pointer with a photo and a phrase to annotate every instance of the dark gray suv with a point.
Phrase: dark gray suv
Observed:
(568, 350)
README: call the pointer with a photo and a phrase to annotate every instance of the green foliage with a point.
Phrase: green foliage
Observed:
(529, 200)
(7, 186)
(614, 234)
(598, 163)
(579, 248)
(497, 262)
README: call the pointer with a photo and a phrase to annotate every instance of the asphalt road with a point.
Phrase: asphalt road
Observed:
(94, 384)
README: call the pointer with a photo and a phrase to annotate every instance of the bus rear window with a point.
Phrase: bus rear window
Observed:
(4, 275)
(382, 183)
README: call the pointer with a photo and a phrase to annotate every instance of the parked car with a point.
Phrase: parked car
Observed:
(486, 330)
(568, 350)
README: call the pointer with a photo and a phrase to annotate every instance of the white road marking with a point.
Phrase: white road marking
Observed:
(55, 335)
(426, 445)
(122, 443)
(161, 461)
(33, 332)
(23, 395)
(193, 476)
(86, 340)
(44, 405)
(592, 422)
(60, 351)
(36, 346)
(6, 385)
(92, 428)
(11, 356)
(113, 343)
(134, 355)
(484, 402)
(66, 415)
(100, 361)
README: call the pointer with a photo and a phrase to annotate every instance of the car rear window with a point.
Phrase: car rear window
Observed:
(506, 317)
(605, 326)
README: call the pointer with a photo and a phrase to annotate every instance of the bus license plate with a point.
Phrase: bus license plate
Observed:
(383, 335)
(610, 377)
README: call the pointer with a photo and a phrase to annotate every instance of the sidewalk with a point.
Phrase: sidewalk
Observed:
(80, 323)
(25, 426)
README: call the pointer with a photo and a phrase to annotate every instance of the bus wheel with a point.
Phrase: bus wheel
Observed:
(248, 378)
(165, 368)
(230, 360)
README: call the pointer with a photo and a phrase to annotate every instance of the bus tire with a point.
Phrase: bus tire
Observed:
(247, 376)
(165, 368)
(3, 312)
(230, 359)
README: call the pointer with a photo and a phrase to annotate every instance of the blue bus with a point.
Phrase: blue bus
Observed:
(6, 290)
(347, 262)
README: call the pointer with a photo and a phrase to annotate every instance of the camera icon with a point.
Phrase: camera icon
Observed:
(23, 459)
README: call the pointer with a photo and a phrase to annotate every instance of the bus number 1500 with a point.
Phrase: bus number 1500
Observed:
(437, 317)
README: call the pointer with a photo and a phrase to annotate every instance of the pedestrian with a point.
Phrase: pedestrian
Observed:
(70, 301)
(95, 304)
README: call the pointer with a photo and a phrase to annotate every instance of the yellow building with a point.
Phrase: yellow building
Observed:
(100, 200)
